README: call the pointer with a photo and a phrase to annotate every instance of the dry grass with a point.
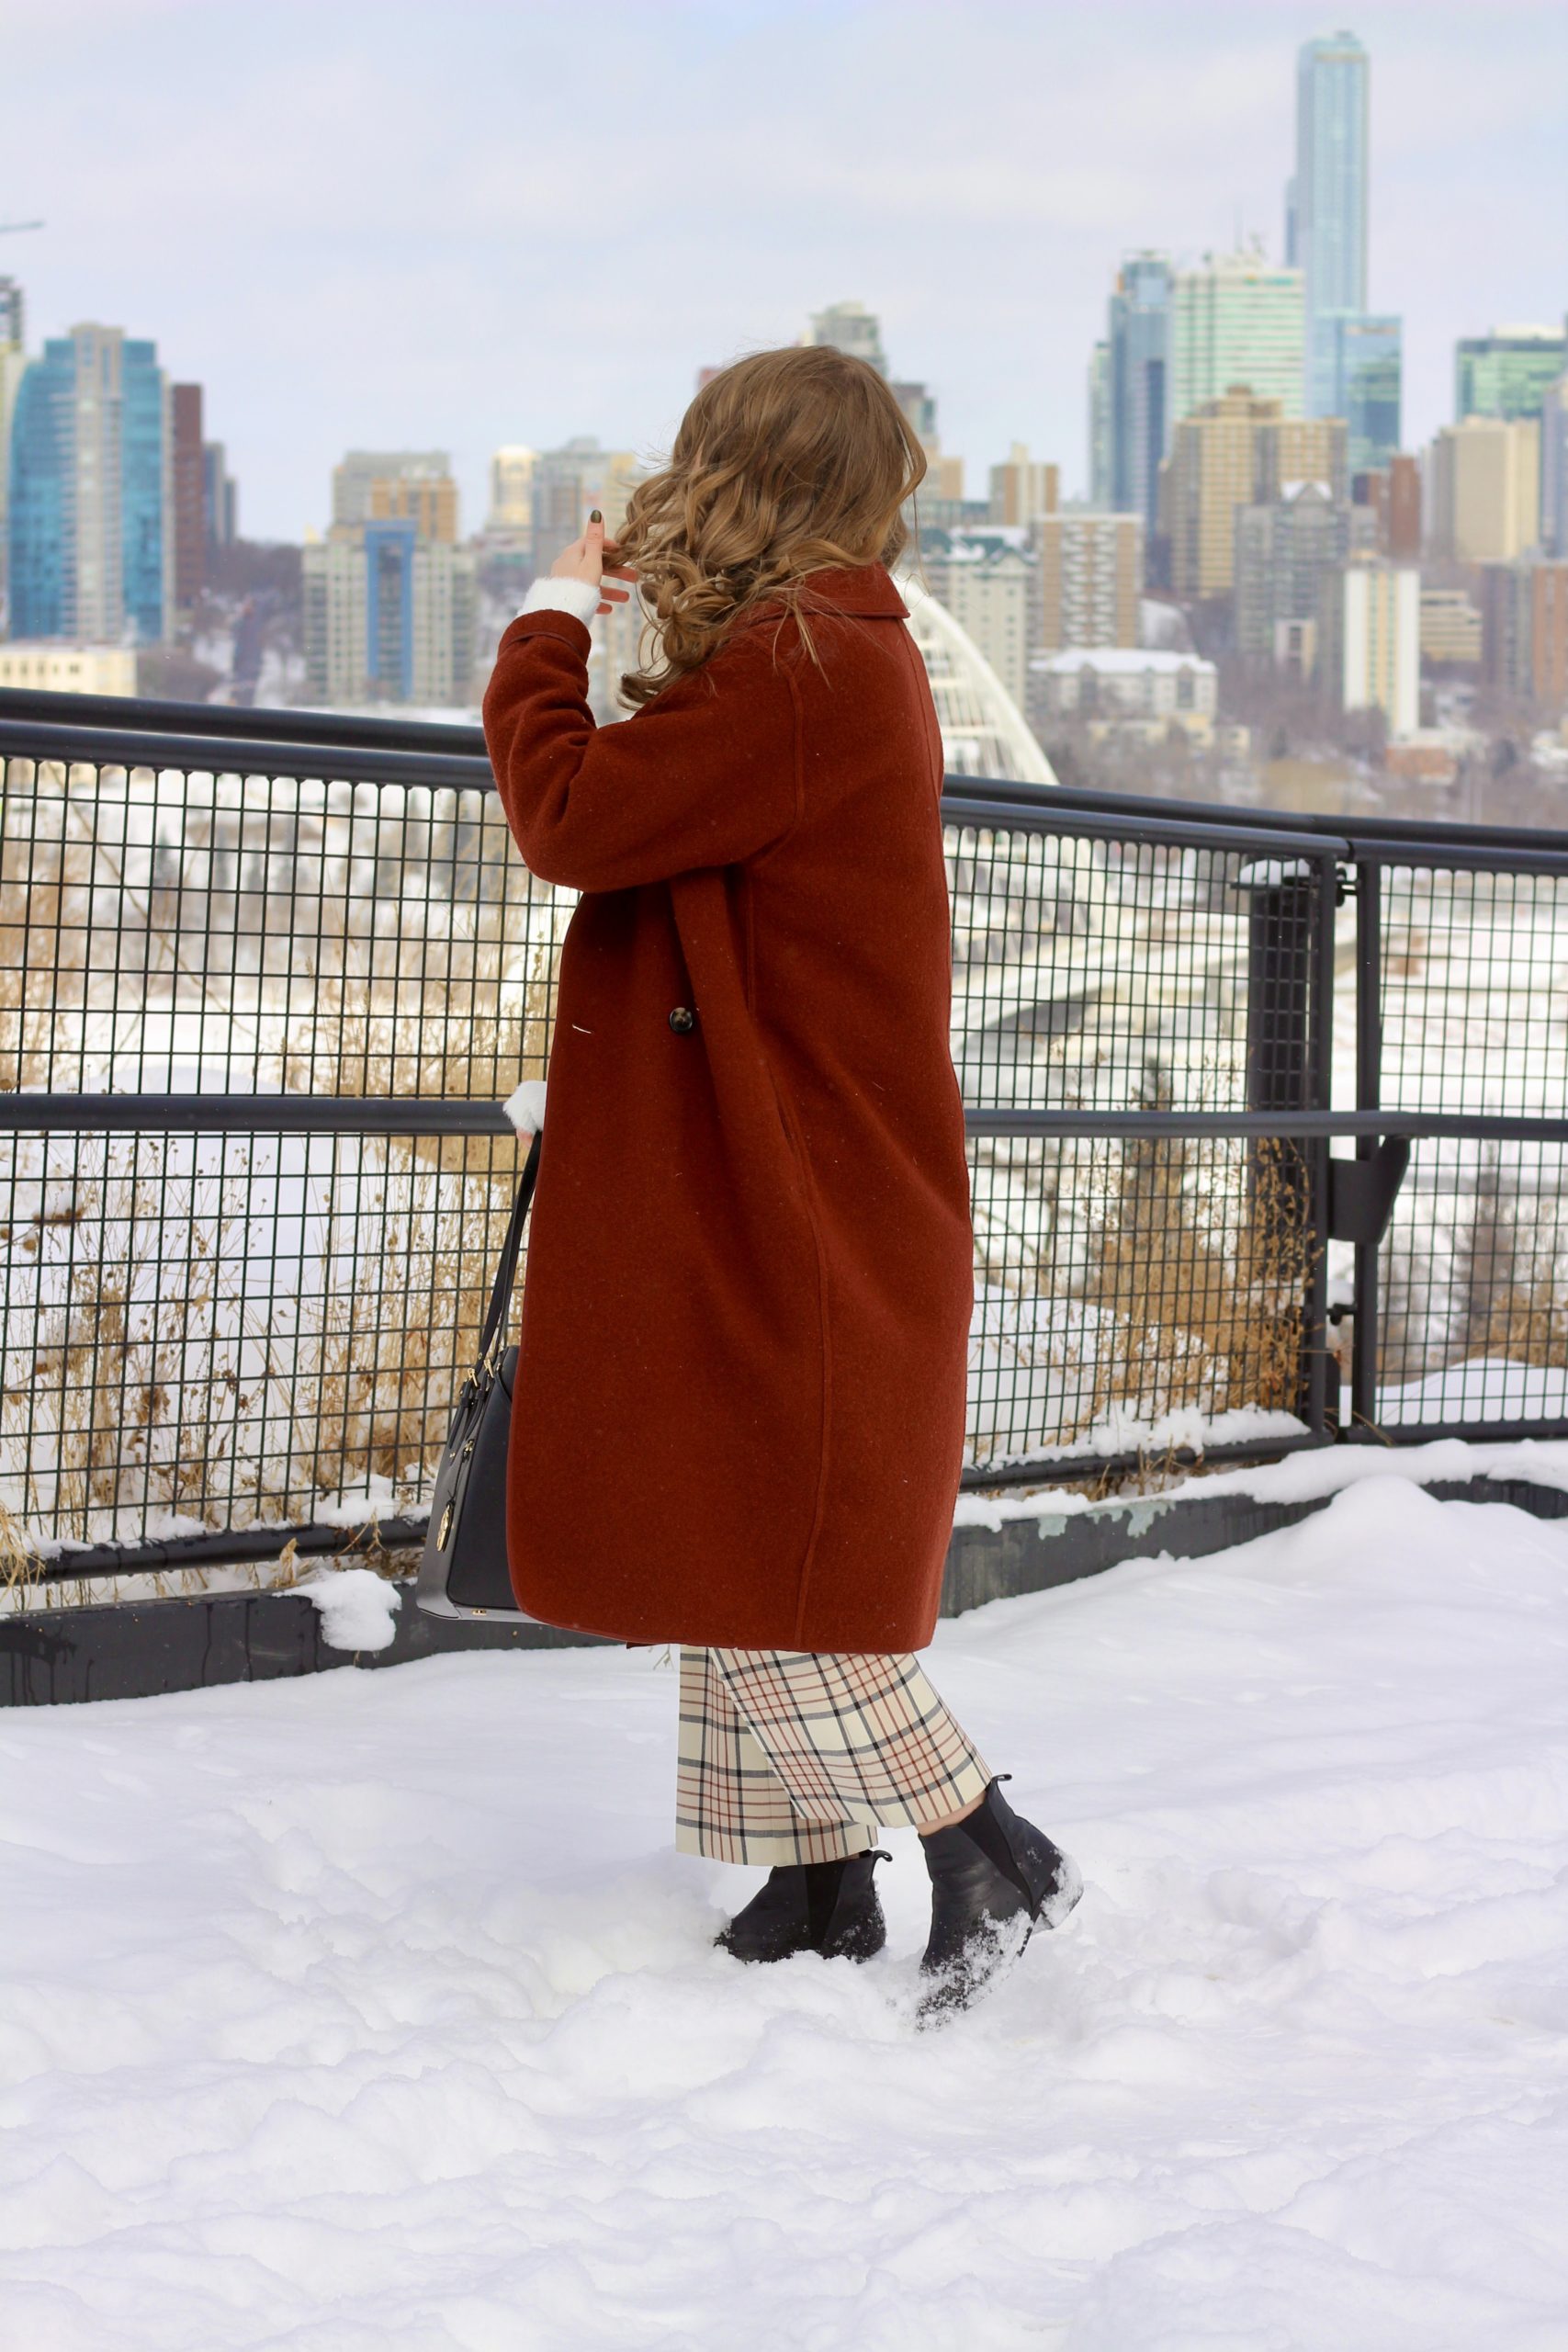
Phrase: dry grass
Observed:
(1206, 1267)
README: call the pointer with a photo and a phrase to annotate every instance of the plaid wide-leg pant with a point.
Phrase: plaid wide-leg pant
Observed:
(799, 1756)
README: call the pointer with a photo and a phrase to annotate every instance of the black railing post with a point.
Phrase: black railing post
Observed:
(1289, 943)
(1369, 1097)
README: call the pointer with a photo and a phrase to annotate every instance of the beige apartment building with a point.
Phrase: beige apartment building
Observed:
(1092, 570)
(396, 486)
(1450, 626)
(1024, 488)
(1239, 449)
(1524, 620)
(1484, 488)
(1299, 449)
(988, 587)
(512, 488)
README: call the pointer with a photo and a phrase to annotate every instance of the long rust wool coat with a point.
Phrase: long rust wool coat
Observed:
(740, 1401)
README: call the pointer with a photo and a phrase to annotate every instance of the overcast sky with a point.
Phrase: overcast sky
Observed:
(456, 225)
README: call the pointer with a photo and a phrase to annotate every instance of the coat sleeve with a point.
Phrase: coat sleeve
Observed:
(707, 775)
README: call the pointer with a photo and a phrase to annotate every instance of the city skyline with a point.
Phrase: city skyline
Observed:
(977, 193)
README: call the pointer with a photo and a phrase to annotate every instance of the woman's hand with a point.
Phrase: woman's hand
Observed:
(585, 560)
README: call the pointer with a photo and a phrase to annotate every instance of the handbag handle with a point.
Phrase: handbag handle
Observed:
(493, 1330)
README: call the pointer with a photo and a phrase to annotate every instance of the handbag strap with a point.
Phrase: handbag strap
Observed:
(492, 1330)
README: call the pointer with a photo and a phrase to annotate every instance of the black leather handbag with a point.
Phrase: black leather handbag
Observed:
(463, 1569)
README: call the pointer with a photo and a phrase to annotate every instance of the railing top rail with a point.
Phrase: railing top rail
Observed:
(1371, 836)
(367, 749)
(344, 763)
(141, 714)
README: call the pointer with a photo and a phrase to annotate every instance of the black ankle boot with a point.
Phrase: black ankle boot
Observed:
(995, 1878)
(828, 1907)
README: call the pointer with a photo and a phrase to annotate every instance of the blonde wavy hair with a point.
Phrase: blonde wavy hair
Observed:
(787, 463)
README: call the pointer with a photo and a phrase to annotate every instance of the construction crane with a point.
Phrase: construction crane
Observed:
(14, 228)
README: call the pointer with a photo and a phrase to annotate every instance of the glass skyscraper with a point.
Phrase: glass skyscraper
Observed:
(1509, 372)
(1359, 363)
(1351, 359)
(1331, 172)
(1138, 418)
(1234, 321)
(88, 521)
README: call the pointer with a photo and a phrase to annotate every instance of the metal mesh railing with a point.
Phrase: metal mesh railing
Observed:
(260, 999)
(1473, 1324)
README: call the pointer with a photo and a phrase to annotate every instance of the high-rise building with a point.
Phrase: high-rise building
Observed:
(512, 488)
(1023, 488)
(568, 482)
(1524, 612)
(369, 485)
(1358, 376)
(1330, 192)
(220, 499)
(1451, 627)
(1484, 488)
(850, 326)
(13, 359)
(396, 486)
(187, 486)
(89, 521)
(1139, 339)
(989, 584)
(1238, 450)
(1235, 320)
(945, 475)
(1402, 510)
(1282, 551)
(1509, 372)
(1099, 426)
(1301, 449)
(388, 594)
(1092, 570)
(1554, 468)
(1370, 639)
(1211, 471)
(1351, 357)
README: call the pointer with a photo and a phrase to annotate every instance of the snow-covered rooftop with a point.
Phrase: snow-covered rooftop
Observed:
(1129, 660)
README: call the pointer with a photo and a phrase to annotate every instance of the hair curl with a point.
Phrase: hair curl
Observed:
(787, 463)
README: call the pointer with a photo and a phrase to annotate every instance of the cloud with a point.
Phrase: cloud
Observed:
(487, 222)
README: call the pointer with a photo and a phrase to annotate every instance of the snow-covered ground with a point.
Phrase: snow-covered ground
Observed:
(372, 2012)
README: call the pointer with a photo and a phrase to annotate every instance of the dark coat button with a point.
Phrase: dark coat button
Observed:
(682, 1019)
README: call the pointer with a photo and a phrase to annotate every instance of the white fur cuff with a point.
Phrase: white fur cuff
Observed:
(578, 597)
(525, 1106)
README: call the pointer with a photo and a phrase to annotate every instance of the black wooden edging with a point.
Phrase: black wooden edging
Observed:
(144, 1649)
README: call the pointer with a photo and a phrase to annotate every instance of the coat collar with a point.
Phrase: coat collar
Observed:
(865, 589)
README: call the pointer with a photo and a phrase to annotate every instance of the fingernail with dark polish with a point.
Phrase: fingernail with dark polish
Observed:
(595, 516)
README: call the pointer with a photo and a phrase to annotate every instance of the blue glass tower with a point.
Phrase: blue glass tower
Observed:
(145, 518)
(41, 555)
(1326, 210)
(1138, 395)
(389, 547)
(88, 506)
(1331, 172)
(1359, 377)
